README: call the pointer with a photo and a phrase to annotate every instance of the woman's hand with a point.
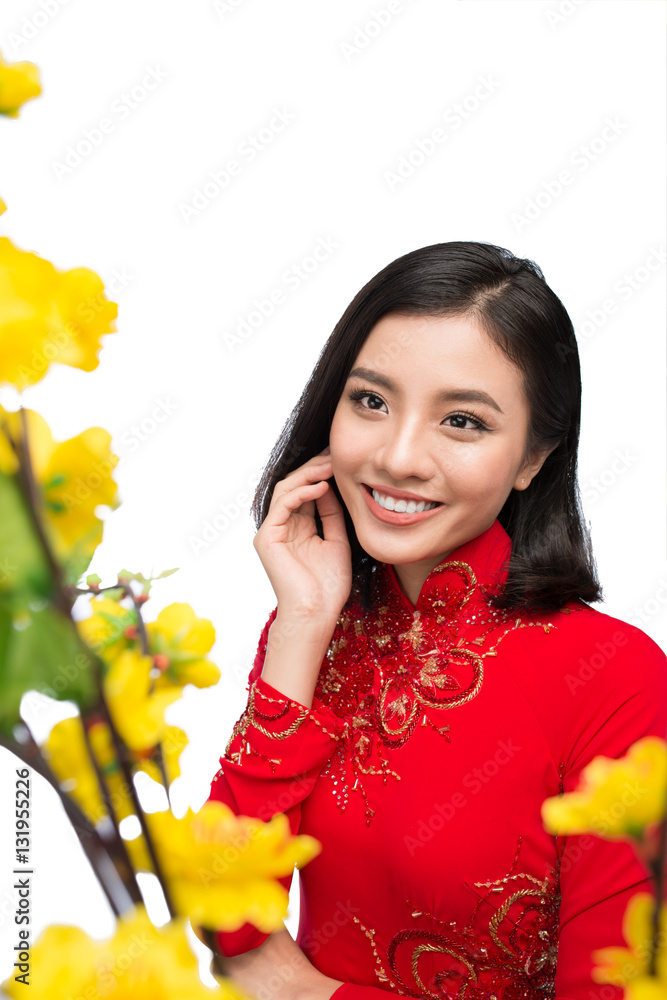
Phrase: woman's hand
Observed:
(279, 970)
(311, 576)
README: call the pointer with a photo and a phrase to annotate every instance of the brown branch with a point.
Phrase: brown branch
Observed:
(28, 485)
(120, 750)
(93, 846)
(217, 962)
(123, 863)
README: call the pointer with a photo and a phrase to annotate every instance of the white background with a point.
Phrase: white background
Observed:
(359, 97)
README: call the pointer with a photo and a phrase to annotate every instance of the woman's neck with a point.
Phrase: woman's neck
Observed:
(411, 576)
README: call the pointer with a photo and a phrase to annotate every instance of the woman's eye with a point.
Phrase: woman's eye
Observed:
(464, 419)
(358, 396)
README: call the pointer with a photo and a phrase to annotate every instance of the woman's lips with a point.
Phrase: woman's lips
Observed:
(393, 516)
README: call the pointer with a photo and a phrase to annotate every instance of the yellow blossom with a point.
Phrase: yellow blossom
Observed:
(67, 755)
(222, 869)
(66, 751)
(646, 988)
(179, 640)
(8, 460)
(3, 206)
(140, 962)
(19, 82)
(104, 629)
(616, 798)
(73, 477)
(172, 743)
(137, 713)
(620, 966)
(48, 315)
(120, 796)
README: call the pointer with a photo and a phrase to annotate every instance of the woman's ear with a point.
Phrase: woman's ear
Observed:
(529, 469)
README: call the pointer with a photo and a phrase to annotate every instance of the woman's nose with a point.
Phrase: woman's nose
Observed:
(403, 454)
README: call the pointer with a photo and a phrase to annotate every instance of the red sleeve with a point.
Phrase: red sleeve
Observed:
(271, 762)
(599, 877)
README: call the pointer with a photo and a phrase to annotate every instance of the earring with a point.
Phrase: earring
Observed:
(523, 480)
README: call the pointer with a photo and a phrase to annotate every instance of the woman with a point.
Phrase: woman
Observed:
(433, 669)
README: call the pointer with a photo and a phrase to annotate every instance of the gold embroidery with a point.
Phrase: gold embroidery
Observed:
(387, 670)
(517, 949)
(282, 726)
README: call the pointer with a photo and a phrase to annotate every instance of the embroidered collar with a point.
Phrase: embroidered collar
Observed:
(486, 555)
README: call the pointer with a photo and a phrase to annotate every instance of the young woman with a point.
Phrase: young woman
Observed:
(433, 669)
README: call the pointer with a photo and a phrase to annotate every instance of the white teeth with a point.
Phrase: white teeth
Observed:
(402, 506)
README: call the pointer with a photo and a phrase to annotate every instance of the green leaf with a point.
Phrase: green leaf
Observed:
(23, 566)
(41, 650)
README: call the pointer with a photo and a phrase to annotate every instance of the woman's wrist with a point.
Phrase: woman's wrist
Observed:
(294, 653)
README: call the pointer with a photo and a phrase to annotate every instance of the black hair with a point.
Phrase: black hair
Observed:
(551, 560)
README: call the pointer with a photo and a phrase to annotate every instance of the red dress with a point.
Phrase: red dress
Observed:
(435, 734)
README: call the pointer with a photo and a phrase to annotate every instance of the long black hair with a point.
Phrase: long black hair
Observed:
(551, 559)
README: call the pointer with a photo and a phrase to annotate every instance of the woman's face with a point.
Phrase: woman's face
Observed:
(444, 416)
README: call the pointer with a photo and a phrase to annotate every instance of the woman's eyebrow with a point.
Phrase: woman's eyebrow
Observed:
(444, 396)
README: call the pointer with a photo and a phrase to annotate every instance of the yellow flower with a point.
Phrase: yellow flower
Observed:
(19, 82)
(101, 741)
(3, 206)
(620, 966)
(73, 478)
(8, 460)
(179, 640)
(48, 315)
(173, 743)
(616, 798)
(222, 869)
(140, 962)
(67, 755)
(645, 988)
(104, 629)
(66, 751)
(137, 714)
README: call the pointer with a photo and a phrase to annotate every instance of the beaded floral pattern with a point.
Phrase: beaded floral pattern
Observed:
(508, 955)
(275, 723)
(395, 667)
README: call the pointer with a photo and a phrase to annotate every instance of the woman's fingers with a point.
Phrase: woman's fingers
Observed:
(304, 473)
(331, 513)
(291, 501)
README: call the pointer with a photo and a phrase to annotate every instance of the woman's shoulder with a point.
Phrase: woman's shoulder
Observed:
(591, 679)
(584, 642)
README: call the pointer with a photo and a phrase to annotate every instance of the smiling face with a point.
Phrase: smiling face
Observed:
(441, 415)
